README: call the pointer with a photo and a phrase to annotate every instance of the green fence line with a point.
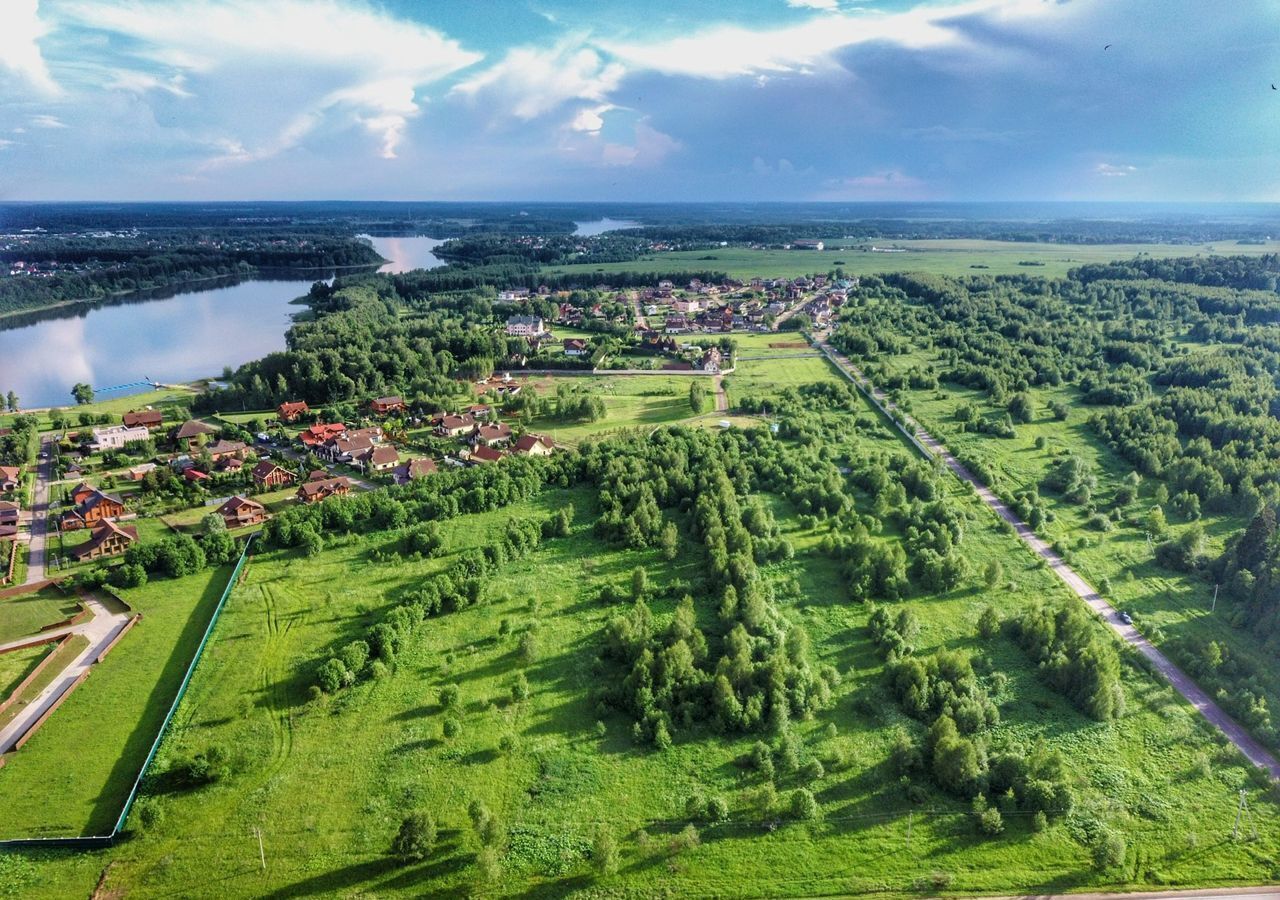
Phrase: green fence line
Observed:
(106, 840)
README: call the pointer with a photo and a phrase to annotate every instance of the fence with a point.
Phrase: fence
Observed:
(98, 841)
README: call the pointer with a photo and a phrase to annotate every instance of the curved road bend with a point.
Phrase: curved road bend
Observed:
(1254, 751)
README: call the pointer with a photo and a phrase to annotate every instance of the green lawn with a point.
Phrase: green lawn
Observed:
(17, 665)
(26, 613)
(62, 655)
(73, 776)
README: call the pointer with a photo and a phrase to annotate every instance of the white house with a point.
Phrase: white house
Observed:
(113, 437)
(526, 326)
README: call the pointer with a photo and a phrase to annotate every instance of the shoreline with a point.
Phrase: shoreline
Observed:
(111, 295)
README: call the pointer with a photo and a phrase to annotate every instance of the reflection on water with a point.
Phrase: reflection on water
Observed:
(600, 226)
(190, 335)
(404, 254)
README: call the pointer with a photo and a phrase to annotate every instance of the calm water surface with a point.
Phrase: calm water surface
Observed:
(406, 253)
(179, 338)
(600, 226)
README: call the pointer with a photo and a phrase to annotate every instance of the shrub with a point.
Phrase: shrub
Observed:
(604, 851)
(415, 839)
(449, 695)
(452, 727)
(520, 688)
(1108, 849)
(989, 622)
(717, 809)
(804, 806)
(812, 771)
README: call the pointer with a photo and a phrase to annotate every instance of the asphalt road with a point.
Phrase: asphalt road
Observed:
(1253, 751)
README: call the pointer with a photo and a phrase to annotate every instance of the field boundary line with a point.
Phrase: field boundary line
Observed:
(97, 841)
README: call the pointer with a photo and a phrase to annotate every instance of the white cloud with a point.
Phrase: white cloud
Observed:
(813, 4)
(1107, 170)
(725, 51)
(882, 184)
(46, 121)
(20, 32)
(529, 82)
(328, 59)
(651, 147)
(590, 118)
(134, 82)
(5, 144)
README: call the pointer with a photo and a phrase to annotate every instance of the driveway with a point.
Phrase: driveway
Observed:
(1244, 742)
(100, 630)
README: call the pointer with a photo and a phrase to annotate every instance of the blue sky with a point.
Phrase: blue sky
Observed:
(594, 100)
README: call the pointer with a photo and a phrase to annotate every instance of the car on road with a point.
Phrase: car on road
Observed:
(1126, 618)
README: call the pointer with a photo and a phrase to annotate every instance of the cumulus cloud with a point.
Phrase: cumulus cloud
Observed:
(529, 82)
(47, 121)
(20, 32)
(882, 184)
(356, 62)
(1108, 170)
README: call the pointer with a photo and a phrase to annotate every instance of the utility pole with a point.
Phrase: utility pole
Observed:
(262, 854)
(1241, 811)
(1215, 598)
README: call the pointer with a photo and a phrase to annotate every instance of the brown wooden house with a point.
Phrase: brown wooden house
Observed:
(382, 406)
(241, 512)
(267, 474)
(291, 410)
(315, 491)
(96, 507)
(108, 539)
(143, 418)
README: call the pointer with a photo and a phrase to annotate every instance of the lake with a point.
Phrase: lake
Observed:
(600, 226)
(180, 338)
(404, 254)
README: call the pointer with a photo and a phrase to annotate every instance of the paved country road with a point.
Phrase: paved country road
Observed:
(1254, 751)
(37, 539)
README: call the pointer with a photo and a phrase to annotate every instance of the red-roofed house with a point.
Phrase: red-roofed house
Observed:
(315, 491)
(457, 426)
(145, 418)
(10, 478)
(315, 435)
(291, 410)
(414, 468)
(385, 405)
(529, 444)
(492, 434)
(483, 454)
(575, 347)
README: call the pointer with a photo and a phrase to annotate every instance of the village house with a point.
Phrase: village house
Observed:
(241, 512)
(9, 512)
(140, 471)
(145, 418)
(225, 449)
(194, 475)
(383, 406)
(229, 464)
(315, 435)
(686, 304)
(92, 506)
(492, 435)
(805, 244)
(676, 325)
(525, 326)
(379, 458)
(529, 444)
(267, 474)
(575, 347)
(414, 469)
(346, 448)
(711, 361)
(10, 478)
(482, 454)
(322, 489)
(511, 295)
(114, 437)
(190, 433)
(456, 426)
(108, 539)
(479, 411)
(292, 410)
(81, 492)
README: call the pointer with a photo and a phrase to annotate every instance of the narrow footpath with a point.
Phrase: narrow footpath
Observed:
(100, 630)
(38, 534)
(931, 446)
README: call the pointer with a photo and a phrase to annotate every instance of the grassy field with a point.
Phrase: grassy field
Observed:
(26, 613)
(631, 401)
(943, 257)
(17, 665)
(60, 785)
(168, 400)
(327, 782)
(1167, 605)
